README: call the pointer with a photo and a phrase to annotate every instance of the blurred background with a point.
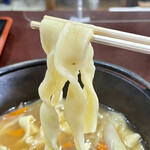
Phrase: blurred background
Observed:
(42, 5)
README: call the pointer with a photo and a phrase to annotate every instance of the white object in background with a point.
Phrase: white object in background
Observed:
(18, 5)
(93, 4)
(80, 8)
(27, 5)
(128, 9)
(80, 17)
(76, 19)
(4, 7)
(35, 5)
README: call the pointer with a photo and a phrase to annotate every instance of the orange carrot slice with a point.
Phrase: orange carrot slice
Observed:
(16, 133)
(101, 146)
(17, 112)
(67, 145)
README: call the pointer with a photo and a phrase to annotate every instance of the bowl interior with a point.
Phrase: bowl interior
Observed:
(21, 85)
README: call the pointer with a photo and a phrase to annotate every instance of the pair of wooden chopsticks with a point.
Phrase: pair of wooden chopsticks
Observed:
(110, 37)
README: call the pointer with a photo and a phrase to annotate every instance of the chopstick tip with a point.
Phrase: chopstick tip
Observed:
(34, 25)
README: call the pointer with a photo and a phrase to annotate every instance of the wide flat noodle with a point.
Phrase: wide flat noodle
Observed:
(51, 87)
(68, 52)
(87, 72)
(112, 138)
(69, 66)
(50, 125)
(26, 122)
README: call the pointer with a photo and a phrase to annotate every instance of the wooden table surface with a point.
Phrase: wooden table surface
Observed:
(24, 44)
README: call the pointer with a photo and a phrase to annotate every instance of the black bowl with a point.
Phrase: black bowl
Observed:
(115, 86)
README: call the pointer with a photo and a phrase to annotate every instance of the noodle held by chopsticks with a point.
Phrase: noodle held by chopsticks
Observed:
(69, 52)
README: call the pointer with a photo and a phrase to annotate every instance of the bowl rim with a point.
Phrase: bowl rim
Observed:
(99, 64)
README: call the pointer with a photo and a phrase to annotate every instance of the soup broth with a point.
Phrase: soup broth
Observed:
(21, 130)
